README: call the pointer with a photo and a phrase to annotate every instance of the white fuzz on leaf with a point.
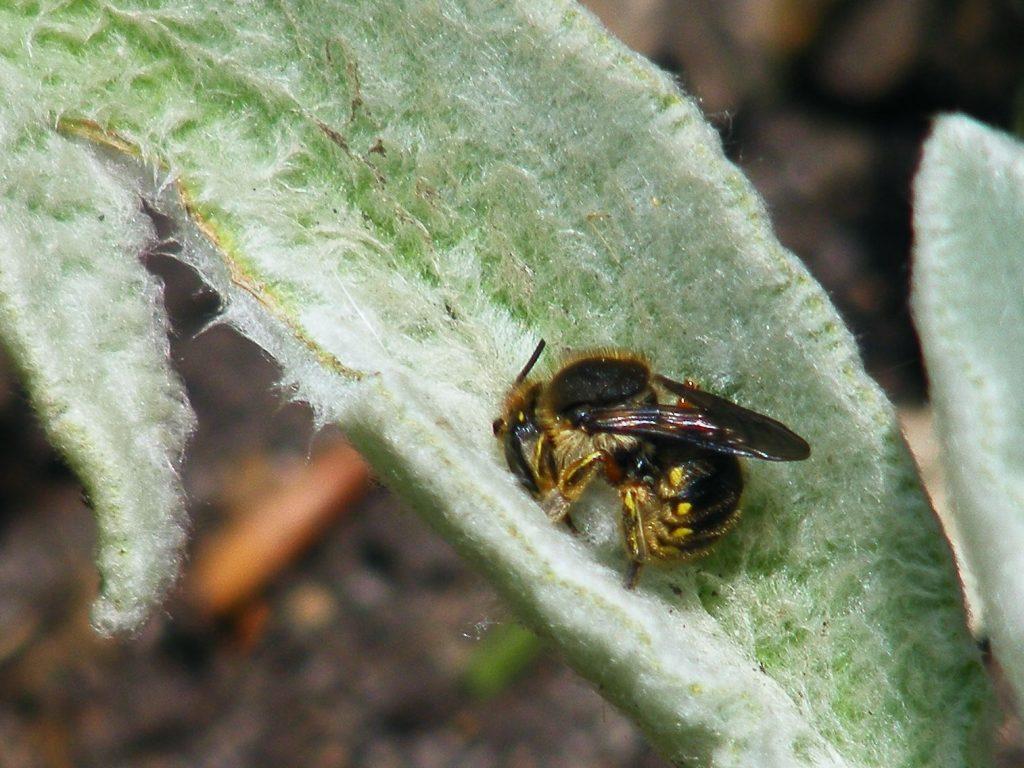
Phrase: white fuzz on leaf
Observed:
(85, 324)
(968, 302)
(397, 200)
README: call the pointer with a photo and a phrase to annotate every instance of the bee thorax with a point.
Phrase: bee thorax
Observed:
(573, 445)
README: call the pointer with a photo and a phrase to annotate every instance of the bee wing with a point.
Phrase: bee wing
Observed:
(713, 423)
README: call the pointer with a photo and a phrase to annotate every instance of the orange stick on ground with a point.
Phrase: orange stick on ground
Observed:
(235, 563)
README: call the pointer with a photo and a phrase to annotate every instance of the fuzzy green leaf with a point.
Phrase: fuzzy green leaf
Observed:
(86, 326)
(969, 308)
(397, 199)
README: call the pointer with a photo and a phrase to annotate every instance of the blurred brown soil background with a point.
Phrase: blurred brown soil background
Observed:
(376, 646)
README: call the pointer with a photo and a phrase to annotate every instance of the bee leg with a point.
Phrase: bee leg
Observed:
(635, 499)
(556, 506)
(573, 481)
(577, 476)
(679, 389)
(633, 574)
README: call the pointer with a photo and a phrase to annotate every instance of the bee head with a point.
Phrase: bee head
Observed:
(520, 398)
(518, 432)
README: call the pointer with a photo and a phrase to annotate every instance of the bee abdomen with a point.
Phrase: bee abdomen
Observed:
(689, 528)
(699, 504)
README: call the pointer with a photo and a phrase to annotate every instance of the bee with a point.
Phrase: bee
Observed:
(670, 449)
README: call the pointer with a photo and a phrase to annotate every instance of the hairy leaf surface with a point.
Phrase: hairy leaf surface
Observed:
(397, 199)
(969, 308)
(85, 324)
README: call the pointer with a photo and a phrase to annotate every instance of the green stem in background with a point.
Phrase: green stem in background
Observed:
(503, 655)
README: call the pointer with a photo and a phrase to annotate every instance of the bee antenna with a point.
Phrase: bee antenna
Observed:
(531, 362)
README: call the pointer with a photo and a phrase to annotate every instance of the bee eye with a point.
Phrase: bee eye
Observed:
(498, 426)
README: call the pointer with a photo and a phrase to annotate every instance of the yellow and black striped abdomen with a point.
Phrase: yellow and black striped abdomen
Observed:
(697, 502)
